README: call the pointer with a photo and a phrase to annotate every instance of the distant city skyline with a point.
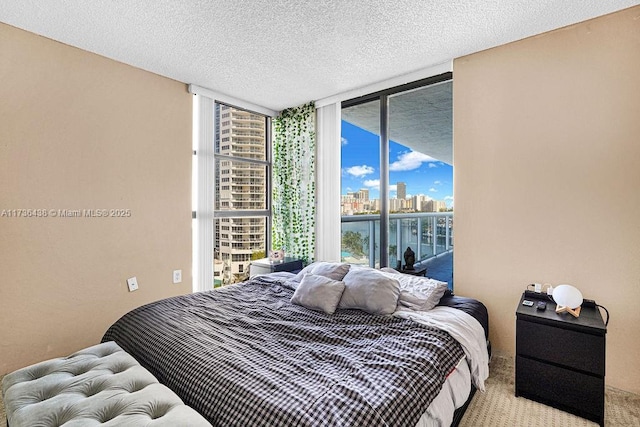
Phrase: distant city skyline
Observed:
(358, 202)
(421, 174)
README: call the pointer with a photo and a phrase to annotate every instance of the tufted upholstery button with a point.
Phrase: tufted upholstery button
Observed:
(92, 386)
(39, 372)
(158, 410)
(135, 385)
(80, 369)
(62, 416)
(120, 367)
(111, 411)
(49, 392)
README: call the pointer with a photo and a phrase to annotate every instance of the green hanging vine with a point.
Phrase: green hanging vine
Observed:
(294, 182)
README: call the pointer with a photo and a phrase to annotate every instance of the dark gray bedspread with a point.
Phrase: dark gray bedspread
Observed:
(244, 355)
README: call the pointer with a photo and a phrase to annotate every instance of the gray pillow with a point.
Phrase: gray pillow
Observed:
(332, 270)
(318, 293)
(371, 291)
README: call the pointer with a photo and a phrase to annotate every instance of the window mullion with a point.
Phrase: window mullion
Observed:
(384, 180)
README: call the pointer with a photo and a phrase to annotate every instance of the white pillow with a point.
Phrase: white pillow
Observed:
(417, 293)
(369, 290)
(318, 293)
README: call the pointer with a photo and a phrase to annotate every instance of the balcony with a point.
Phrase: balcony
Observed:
(429, 234)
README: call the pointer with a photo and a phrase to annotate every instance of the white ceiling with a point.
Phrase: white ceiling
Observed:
(283, 53)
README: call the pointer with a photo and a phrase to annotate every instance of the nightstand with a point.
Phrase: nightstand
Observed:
(265, 266)
(417, 271)
(560, 359)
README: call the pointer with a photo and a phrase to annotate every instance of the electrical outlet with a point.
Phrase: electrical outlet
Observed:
(132, 283)
(177, 276)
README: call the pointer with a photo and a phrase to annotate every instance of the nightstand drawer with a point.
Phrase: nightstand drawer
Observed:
(288, 266)
(572, 391)
(564, 347)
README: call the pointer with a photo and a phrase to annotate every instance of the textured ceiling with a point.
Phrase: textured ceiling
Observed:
(282, 53)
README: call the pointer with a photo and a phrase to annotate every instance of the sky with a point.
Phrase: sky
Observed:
(361, 167)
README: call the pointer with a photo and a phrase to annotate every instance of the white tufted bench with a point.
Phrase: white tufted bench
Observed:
(100, 385)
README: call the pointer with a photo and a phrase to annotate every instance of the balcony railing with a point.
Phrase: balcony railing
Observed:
(427, 233)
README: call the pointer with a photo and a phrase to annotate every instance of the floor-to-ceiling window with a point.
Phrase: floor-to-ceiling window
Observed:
(242, 171)
(397, 173)
(231, 189)
(361, 182)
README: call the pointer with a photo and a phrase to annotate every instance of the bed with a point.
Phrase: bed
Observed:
(246, 355)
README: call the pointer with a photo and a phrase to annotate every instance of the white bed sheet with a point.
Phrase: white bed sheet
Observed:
(474, 367)
(454, 393)
(464, 329)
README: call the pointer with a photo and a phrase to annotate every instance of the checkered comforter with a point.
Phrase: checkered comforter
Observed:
(244, 355)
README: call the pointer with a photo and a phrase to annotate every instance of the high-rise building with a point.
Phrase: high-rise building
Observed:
(362, 194)
(240, 185)
(395, 205)
(419, 202)
(401, 190)
(434, 206)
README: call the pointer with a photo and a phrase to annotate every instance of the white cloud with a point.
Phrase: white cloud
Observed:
(433, 190)
(359, 171)
(433, 165)
(372, 183)
(393, 187)
(437, 183)
(448, 198)
(410, 160)
(344, 141)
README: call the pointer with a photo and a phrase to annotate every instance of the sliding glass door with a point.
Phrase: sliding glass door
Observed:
(397, 173)
(421, 170)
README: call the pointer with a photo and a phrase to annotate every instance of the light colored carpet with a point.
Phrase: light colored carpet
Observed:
(498, 406)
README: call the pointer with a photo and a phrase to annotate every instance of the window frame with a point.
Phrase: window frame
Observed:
(204, 213)
(383, 97)
(227, 160)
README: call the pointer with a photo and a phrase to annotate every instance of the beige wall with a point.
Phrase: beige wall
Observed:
(79, 131)
(547, 176)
